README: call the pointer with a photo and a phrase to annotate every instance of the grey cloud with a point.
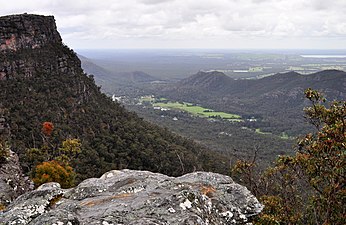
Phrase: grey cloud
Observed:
(176, 21)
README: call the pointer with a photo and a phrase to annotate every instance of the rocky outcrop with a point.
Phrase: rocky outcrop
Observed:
(25, 40)
(137, 197)
(27, 31)
(12, 181)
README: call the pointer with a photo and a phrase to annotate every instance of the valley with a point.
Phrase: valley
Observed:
(172, 112)
(243, 108)
(176, 64)
(196, 110)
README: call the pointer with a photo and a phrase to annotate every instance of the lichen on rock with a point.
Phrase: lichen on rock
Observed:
(137, 197)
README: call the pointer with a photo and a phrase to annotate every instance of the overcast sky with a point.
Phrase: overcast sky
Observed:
(235, 24)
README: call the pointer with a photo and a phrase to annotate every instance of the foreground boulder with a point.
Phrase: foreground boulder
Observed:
(137, 197)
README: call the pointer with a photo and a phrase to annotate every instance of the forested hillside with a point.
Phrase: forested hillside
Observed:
(42, 81)
(276, 101)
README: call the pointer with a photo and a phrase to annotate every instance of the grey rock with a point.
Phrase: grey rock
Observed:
(137, 197)
(12, 181)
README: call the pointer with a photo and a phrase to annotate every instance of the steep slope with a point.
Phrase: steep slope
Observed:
(42, 80)
(102, 76)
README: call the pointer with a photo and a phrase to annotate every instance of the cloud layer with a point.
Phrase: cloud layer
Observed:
(193, 23)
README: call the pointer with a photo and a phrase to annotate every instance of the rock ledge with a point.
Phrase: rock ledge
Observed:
(137, 197)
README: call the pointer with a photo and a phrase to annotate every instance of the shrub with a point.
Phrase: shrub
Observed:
(4, 151)
(54, 171)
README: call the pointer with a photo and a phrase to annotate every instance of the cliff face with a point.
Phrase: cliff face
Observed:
(27, 31)
(26, 46)
(137, 197)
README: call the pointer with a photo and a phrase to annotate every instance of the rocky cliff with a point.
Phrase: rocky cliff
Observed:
(27, 31)
(12, 180)
(20, 35)
(137, 197)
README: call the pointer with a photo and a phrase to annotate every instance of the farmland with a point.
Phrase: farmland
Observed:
(198, 110)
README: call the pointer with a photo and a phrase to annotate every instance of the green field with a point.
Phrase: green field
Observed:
(147, 98)
(199, 111)
(258, 131)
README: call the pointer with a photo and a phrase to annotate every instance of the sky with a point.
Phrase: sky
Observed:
(220, 24)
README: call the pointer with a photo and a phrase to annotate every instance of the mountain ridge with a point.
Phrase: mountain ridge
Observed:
(277, 99)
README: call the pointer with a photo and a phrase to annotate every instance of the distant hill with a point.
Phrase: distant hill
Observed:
(277, 99)
(42, 80)
(110, 80)
(140, 77)
(214, 81)
(331, 82)
(102, 75)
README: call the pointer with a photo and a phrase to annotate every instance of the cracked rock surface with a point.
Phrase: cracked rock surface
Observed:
(137, 197)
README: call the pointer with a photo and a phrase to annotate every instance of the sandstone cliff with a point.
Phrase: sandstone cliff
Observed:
(27, 31)
(20, 35)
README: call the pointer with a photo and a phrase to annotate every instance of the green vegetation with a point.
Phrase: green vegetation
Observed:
(258, 131)
(309, 187)
(110, 136)
(199, 111)
(285, 136)
(51, 163)
(147, 98)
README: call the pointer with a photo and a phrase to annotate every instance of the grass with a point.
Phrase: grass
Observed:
(258, 131)
(147, 99)
(199, 111)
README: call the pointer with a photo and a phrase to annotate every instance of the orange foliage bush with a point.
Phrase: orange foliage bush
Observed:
(53, 171)
(47, 128)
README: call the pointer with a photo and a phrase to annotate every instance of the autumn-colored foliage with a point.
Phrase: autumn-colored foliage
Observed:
(52, 163)
(2, 207)
(54, 171)
(47, 128)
